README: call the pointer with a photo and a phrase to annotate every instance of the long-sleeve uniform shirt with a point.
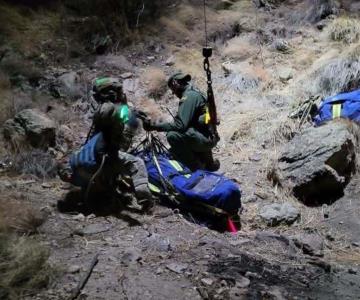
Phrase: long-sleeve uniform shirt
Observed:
(116, 135)
(191, 112)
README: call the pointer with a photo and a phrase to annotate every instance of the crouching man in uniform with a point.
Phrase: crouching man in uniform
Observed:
(189, 136)
(114, 126)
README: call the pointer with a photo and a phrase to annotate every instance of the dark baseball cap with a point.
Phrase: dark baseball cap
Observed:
(179, 76)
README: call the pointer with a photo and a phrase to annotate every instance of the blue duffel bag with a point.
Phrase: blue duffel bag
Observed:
(198, 187)
(344, 105)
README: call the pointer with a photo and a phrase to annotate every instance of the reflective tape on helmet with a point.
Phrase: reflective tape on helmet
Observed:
(336, 111)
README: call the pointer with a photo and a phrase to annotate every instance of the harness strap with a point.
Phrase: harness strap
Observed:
(336, 111)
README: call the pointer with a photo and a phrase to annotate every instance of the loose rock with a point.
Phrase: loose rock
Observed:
(285, 74)
(276, 213)
(311, 244)
(177, 267)
(170, 61)
(207, 281)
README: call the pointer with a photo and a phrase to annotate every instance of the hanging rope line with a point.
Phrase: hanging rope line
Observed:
(205, 25)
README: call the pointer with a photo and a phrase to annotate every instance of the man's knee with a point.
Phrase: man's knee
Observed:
(174, 138)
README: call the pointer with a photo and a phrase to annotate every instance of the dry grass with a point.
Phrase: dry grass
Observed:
(244, 77)
(174, 29)
(16, 66)
(23, 266)
(237, 48)
(320, 9)
(17, 216)
(23, 261)
(4, 81)
(336, 75)
(188, 15)
(16, 30)
(155, 81)
(34, 162)
(6, 101)
(345, 29)
(190, 61)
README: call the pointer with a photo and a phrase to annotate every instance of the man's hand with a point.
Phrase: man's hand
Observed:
(147, 125)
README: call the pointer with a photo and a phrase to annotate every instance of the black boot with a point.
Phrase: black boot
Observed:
(208, 160)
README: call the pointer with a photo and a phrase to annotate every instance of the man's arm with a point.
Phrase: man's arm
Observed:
(184, 116)
(103, 115)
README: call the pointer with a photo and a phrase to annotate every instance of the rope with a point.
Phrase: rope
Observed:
(92, 180)
(205, 23)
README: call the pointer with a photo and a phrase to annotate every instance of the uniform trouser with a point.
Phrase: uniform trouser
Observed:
(190, 146)
(123, 163)
(130, 165)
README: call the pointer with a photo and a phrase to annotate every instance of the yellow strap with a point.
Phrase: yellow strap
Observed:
(336, 111)
(207, 116)
(178, 167)
(154, 188)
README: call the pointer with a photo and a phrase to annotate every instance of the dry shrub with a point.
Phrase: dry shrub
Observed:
(35, 162)
(25, 29)
(224, 25)
(23, 266)
(190, 61)
(285, 131)
(174, 28)
(337, 75)
(155, 81)
(12, 20)
(23, 261)
(152, 109)
(189, 15)
(17, 216)
(320, 9)
(345, 29)
(238, 49)
(16, 66)
(244, 77)
(5, 103)
(4, 81)
(12, 102)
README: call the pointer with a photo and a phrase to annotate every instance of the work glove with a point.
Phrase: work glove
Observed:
(147, 125)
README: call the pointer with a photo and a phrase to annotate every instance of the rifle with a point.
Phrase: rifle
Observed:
(211, 114)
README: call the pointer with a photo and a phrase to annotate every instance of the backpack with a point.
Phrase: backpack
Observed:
(344, 105)
(197, 187)
(84, 162)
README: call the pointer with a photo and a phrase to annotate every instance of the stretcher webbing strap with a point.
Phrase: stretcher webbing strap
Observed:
(336, 111)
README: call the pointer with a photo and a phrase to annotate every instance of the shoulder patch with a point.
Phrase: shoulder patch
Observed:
(183, 98)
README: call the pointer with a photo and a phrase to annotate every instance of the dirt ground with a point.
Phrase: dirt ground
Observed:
(169, 255)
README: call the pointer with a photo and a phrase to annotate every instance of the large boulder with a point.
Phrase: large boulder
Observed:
(318, 163)
(67, 85)
(38, 129)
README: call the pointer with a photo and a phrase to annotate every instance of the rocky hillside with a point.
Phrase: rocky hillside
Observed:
(300, 184)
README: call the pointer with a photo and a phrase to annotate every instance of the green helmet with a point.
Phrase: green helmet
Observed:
(107, 89)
